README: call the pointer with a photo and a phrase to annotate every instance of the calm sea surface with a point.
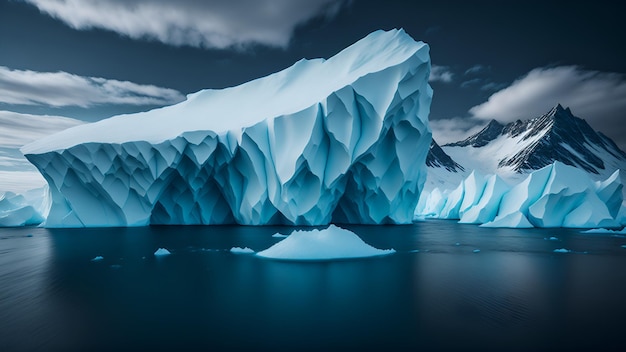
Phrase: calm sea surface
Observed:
(434, 293)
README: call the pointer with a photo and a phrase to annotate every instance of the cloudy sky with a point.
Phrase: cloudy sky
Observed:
(91, 59)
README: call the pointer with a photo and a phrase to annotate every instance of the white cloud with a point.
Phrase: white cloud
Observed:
(454, 129)
(598, 97)
(209, 24)
(17, 129)
(440, 74)
(476, 69)
(16, 173)
(65, 89)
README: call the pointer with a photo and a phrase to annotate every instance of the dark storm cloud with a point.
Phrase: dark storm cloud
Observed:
(210, 24)
(25, 87)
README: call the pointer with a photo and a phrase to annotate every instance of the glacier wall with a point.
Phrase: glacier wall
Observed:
(342, 140)
(557, 195)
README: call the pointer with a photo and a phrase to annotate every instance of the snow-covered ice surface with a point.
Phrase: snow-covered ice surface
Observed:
(328, 244)
(240, 250)
(557, 195)
(343, 139)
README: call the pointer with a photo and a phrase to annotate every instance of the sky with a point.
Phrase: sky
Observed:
(503, 60)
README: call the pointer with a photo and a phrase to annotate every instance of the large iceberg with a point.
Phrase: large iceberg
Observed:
(342, 140)
(557, 195)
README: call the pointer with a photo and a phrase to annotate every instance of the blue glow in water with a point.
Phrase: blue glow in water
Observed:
(435, 292)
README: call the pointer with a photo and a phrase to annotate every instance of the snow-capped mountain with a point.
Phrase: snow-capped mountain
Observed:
(516, 149)
(438, 158)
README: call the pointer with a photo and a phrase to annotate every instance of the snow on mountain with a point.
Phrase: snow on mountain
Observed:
(522, 146)
(343, 139)
(443, 172)
(515, 149)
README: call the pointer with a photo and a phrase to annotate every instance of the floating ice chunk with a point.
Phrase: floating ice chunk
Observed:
(553, 238)
(161, 252)
(562, 250)
(623, 246)
(279, 235)
(240, 250)
(603, 231)
(327, 244)
(476, 251)
(97, 258)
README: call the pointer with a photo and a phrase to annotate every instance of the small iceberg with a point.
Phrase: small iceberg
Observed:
(239, 250)
(161, 252)
(279, 235)
(606, 231)
(97, 258)
(562, 250)
(476, 251)
(327, 244)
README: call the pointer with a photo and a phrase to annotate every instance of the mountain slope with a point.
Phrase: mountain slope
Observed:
(517, 148)
(438, 158)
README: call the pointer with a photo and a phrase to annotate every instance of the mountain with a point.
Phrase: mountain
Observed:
(518, 148)
(438, 158)
(557, 135)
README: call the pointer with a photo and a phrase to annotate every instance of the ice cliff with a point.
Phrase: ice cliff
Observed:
(557, 195)
(342, 140)
(25, 209)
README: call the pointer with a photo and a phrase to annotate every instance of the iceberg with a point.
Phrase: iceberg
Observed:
(512, 220)
(342, 140)
(487, 207)
(22, 210)
(328, 244)
(240, 250)
(162, 252)
(557, 195)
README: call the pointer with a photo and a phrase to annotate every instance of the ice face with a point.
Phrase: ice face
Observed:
(557, 195)
(343, 139)
(487, 207)
(17, 210)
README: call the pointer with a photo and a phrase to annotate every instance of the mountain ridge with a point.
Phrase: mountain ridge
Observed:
(522, 146)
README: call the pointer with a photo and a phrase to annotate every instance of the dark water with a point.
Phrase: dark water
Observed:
(516, 293)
